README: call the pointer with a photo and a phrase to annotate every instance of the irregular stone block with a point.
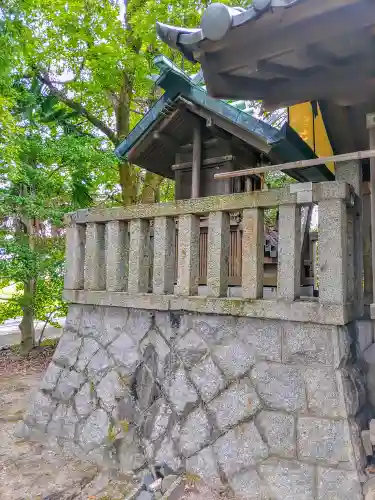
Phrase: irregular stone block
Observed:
(365, 334)
(262, 336)
(92, 322)
(278, 431)
(336, 484)
(191, 348)
(138, 324)
(308, 343)
(168, 324)
(325, 440)
(234, 357)
(68, 384)
(207, 378)
(129, 453)
(95, 430)
(99, 365)
(160, 346)
(281, 387)
(73, 319)
(204, 465)
(85, 400)
(156, 420)
(110, 388)
(168, 455)
(51, 377)
(238, 402)
(239, 448)
(67, 350)
(289, 480)
(366, 441)
(195, 432)
(323, 397)
(127, 409)
(247, 485)
(63, 423)
(40, 411)
(372, 431)
(89, 348)
(125, 352)
(115, 324)
(181, 392)
(214, 329)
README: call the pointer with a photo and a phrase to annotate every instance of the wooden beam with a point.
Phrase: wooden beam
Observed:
(208, 161)
(197, 162)
(358, 155)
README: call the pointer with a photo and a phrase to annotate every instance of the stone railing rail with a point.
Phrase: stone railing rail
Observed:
(108, 255)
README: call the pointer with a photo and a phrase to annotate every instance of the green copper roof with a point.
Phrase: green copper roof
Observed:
(279, 145)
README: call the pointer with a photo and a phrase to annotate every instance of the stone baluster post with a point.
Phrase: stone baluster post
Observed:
(164, 255)
(252, 253)
(289, 253)
(117, 255)
(75, 257)
(333, 252)
(139, 256)
(218, 254)
(95, 257)
(188, 254)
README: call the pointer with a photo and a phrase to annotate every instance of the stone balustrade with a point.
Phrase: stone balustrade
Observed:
(110, 253)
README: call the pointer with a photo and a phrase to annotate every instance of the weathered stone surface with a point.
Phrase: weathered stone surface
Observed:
(88, 349)
(73, 318)
(308, 343)
(191, 348)
(67, 350)
(325, 440)
(238, 402)
(281, 387)
(51, 377)
(63, 423)
(129, 453)
(289, 480)
(145, 387)
(156, 420)
(168, 455)
(99, 365)
(207, 378)
(138, 324)
(263, 336)
(365, 334)
(40, 411)
(110, 388)
(366, 441)
(323, 397)
(168, 324)
(204, 465)
(234, 357)
(214, 329)
(338, 485)
(181, 392)
(239, 448)
(92, 322)
(95, 430)
(195, 432)
(278, 431)
(125, 352)
(247, 485)
(69, 382)
(115, 323)
(85, 400)
(160, 346)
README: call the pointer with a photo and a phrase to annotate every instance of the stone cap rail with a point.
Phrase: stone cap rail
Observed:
(109, 255)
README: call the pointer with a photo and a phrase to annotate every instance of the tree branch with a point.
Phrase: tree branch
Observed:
(76, 106)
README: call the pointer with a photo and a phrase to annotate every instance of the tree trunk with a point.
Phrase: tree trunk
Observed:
(128, 181)
(150, 191)
(27, 324)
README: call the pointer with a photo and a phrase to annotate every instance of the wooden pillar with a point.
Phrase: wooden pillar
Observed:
(197, 161)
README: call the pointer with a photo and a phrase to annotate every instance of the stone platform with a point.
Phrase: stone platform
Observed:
(262, 408)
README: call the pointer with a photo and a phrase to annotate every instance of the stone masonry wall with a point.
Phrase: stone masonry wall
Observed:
(265, 409)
